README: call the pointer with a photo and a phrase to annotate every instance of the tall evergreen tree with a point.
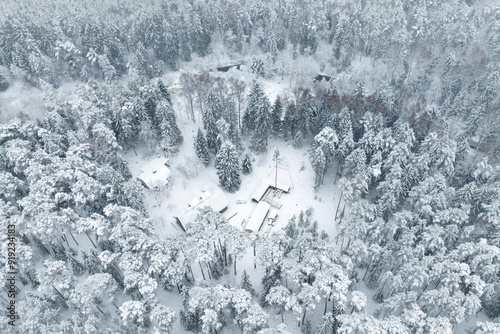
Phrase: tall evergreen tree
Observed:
(246, 284)
(318, 162)
(171, 136)
(246, 166)
(255, 100)
(201, 148)
(213, 112)
(262, 126)
(164, 91)
(277, 112)
(228, 167)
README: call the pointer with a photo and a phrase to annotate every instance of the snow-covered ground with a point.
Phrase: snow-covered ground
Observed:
(190, 178)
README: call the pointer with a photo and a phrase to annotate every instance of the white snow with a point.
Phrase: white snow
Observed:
(155, 173)
(258, 217)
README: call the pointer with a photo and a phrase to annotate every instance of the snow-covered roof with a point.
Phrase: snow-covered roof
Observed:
(155, 173)
(260, 191)
(278, 176)
(258, 216)
(217, 201)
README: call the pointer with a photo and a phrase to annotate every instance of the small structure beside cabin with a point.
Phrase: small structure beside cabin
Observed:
(225, 68)
(278, 178)
(155, 174)
(217, 201)
(321, 77)
(258, 217)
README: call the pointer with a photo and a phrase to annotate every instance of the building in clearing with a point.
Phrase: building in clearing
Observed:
(155, 174)
(217, 201)
(278, 178)
(258, 217)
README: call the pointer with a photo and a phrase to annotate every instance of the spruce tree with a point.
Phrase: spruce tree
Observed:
(255, 100)
(318, 162)
(171, 136)
(228, 168)
(297, 139)
(277, 112)
(213, 112)
(164, 91)
(246, 166)
(262, 126)
(231, 117)
(246, 284)
(201, 148)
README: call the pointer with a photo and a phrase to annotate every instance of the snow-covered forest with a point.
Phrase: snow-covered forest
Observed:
(245, 166)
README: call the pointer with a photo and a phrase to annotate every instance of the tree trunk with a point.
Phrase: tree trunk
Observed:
(367, 268)
(65, 239)
(202, 272)
(191, 271)
(303, 316)
(92, 241)
(254, 262)
(338, 205)
(209, 270)
(73, 237)
(99, 309)
(235, 264)
(59, 292)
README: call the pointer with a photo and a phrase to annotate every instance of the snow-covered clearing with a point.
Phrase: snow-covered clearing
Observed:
(189, 179)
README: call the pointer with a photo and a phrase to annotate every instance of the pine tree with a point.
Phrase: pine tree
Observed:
(212, 113)
(256, 98)
(246, 284)
(201, 148)
(171, 136)
(231, 117)
(277, 112)
(246, 166)
(318, 162)
(228, 168)
(297, 139)
(164, 91)
(262, 126)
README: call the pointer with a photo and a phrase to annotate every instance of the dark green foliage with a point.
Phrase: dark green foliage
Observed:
(191, 321)
(3, 84)
(257, 67)
(291, 230)
(262, 126)
(92, 262)
(164, 91)
(331, 324)
(212, 113)
(277, 113)
(77, 266)
(491, 301)
(171, 136)
(297, 139)
(272, 277)
(314, 229)
(306, 327)
(246, 284)
(228, 167)
(246, 165)
(201, 148)
(318, 162)
(217, 266)
(59, 252)
(256, 102)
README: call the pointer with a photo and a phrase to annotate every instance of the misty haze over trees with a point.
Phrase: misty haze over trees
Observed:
(395, 104)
